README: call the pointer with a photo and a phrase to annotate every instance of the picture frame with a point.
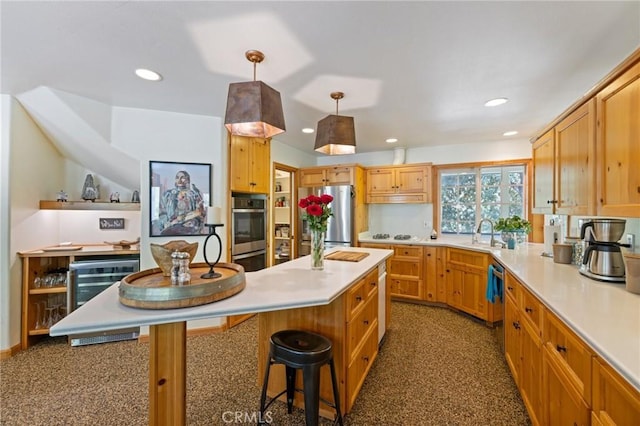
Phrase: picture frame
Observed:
(179, 196)
(111, 223)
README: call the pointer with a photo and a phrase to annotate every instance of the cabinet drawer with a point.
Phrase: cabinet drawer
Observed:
(407, 288)
(532, 310)
(371, 283)
(360, 366)
(356, 296)
(406, 268)
(512, 288)
(408, 251)
(468, 257)
(360, 325)
(575, 355)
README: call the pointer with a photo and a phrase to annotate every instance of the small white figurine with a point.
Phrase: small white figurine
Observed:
(62, 196)
(114, 197)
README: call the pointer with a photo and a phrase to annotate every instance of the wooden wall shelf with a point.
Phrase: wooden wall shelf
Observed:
(87, 205)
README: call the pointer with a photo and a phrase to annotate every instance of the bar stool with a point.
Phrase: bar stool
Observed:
(307, 351)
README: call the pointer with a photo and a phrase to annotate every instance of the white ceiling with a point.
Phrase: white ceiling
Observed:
(417, 71)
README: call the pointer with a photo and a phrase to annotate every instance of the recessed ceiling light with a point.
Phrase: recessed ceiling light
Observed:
(496, 102)
(510, 133)
(146, 74)
(307, 130)
(391, 140)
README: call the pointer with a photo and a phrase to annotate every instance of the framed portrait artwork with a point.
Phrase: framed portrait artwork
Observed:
(179, 197)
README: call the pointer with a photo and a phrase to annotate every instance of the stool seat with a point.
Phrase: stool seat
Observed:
(306, 351)
(299, 348)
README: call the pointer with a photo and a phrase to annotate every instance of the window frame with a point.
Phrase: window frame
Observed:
(527, 162)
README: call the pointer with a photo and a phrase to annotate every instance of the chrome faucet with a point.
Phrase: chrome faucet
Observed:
(493, 242)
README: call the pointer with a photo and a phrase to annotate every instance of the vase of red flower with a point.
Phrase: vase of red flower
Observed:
(316, 212)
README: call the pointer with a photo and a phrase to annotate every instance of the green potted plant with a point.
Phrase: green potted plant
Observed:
(513, 229)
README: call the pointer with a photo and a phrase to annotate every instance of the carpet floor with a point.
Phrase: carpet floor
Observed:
(436, 367)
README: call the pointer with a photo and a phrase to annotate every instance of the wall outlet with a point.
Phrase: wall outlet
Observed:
(631, 240)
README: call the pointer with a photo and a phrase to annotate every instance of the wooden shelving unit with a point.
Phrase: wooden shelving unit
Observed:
(87, 205)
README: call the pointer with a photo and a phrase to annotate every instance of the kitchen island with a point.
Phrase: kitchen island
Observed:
(287, 287)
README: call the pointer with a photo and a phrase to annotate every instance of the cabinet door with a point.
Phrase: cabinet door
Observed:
(406, 288)
(575, 162)
(260, 165)
(312, 177)
(339, 175)
(531, 371)
(380, 181)
(563, 404)
(615, 401)
(543, 172)
(473, 289)
(618, 150)
(512, 331)
(239, 161)
(431, 274)
(410, 180)
(455, 277)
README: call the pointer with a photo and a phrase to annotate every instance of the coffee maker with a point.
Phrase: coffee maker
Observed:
(602, 259)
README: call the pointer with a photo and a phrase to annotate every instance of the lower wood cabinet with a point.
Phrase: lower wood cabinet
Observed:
(614, 400)
(350, 322)
(406, 272)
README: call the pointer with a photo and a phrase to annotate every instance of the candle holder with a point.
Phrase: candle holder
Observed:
(212, 233)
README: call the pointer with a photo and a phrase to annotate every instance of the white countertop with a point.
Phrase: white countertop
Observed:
(605, 315)
(288, 285)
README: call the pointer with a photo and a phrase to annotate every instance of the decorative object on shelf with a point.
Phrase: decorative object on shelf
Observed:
(111, 222)
(162, 253)
(316, 213)
(336, 134)
(90, 191)
(62, 196)
(123, 244)
(114, 197)
(513, 229)
(253, 108)
(135, 197)
(179, 194)
(180, 274)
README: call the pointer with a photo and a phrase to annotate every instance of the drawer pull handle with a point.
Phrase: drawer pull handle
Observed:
(366, 359)
(516, 325)
(373, 283)
(366, 322)
(561, 348)
(528, 309)
(509, 288)
(359, 298)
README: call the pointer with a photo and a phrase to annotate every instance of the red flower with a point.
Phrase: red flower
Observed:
(314, 210)
(326, 198)
(303, 203)
(314, 199)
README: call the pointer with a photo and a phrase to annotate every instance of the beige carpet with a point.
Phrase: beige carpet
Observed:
(436, 367)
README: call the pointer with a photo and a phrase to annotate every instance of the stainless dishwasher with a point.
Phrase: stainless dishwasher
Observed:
(89, 277)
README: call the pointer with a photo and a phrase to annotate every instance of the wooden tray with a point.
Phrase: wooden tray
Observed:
(149, 289)
(349, 256)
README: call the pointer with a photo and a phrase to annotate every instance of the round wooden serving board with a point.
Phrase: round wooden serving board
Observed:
(149, 289)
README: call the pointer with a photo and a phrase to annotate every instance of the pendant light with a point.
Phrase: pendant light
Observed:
(336, 134)
(253, 108)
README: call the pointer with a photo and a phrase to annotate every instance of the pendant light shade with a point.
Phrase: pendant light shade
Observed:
(253, 108)
(336, 134)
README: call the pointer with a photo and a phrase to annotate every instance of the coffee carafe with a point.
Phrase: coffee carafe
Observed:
(602, 259)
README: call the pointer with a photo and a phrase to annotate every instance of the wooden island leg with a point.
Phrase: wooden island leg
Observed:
(168, 374)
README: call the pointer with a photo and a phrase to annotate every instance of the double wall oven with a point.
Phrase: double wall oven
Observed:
(249, 231)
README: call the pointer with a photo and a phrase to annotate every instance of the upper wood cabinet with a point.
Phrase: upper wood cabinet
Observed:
(327, 176)
(564, 167)
(618, 146)
(249, 164)
(399, 184)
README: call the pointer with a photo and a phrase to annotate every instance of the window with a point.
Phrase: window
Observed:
(470, 194)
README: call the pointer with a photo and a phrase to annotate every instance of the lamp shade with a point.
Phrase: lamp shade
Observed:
(336, 135)
(254, 109)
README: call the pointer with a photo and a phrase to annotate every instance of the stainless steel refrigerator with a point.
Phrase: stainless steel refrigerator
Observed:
(340, 226)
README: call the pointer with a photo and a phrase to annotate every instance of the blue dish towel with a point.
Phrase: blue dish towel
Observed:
(494, 285)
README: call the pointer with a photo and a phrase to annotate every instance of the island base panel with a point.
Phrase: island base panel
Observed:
(168, 374)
